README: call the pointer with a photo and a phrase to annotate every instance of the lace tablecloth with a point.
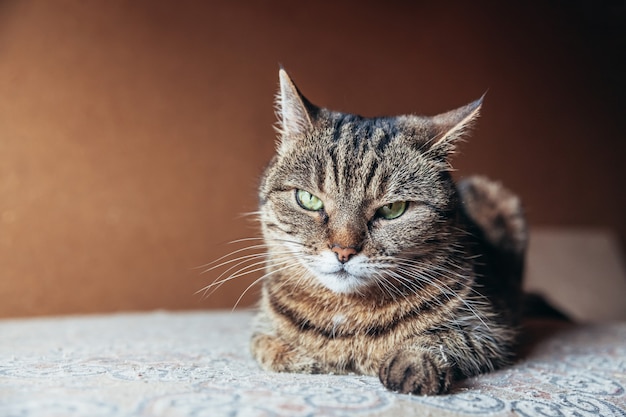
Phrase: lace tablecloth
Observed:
(198, 364)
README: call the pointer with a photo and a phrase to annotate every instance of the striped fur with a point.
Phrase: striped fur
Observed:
(426, 298)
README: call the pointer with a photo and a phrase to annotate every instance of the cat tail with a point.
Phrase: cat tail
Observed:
(497, 213)
(537, 306)
(495, 219)
(498, 220)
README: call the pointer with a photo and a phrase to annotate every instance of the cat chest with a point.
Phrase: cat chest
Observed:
(350, 349)
(339, 339)
(356, 337)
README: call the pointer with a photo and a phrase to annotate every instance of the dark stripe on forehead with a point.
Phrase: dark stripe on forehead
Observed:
(361, 135)
(352, 138)
(389, 131)
(333, 161)
(337, 129)
(319, 172)
(371, 172)
(333, 151)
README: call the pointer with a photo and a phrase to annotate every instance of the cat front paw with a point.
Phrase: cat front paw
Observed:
(417, 372)
(275, 355)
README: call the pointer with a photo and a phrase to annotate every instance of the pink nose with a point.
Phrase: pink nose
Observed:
(343, 254)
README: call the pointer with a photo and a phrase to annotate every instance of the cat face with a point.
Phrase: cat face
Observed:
(353, 203)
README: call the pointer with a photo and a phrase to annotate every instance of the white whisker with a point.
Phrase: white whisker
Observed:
(247, 248)
(259, 280)
(246, 270)
(447, 291)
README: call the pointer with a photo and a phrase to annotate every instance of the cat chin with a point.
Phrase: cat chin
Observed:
(341, 282)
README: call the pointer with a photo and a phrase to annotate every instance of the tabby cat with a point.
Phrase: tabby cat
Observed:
(377, 262)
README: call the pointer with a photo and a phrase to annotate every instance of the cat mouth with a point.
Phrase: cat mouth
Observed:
(343, 274)
(341, 281)
(340, 274)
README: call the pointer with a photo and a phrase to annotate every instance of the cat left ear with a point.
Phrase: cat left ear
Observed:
(295, 112)
(449, 127)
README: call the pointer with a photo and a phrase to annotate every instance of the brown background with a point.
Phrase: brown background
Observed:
(132, 133)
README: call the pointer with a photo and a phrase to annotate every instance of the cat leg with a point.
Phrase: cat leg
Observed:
(429, 363)
(496, 211)
(275, 355)
(418, 370)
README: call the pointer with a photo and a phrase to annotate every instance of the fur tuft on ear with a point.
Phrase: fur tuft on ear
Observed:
(448, 128)
(295, 113)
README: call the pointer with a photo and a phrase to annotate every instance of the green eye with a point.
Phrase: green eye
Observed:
(392, 210)
(308, 201)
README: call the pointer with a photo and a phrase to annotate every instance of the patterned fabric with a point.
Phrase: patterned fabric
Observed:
(198, 364)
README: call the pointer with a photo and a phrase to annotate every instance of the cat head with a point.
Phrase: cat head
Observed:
(350, 202)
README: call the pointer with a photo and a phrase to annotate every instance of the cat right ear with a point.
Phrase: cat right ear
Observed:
(295, 113)
(447, 128)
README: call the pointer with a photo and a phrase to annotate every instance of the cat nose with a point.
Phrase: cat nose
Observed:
(343, 254)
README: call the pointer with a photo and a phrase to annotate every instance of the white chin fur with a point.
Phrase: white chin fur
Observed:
(341, 283)
(340, 278)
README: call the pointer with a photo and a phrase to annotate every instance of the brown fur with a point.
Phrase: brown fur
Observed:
(425, 298)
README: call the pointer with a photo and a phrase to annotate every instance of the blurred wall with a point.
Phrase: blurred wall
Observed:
(133, 133)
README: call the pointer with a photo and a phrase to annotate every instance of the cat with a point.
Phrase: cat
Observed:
(377, 262)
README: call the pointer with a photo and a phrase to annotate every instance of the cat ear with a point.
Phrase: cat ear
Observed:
(295, 113)
(448, 128)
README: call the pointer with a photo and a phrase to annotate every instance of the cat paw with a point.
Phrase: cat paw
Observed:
(497, 211)
(275, 355)
(415, 372)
